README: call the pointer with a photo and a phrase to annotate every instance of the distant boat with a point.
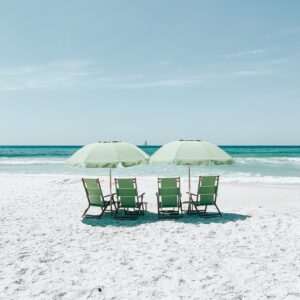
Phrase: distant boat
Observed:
(145, 144)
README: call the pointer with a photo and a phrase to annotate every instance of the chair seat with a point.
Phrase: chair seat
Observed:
(105, 202)
(205, 196)
(137, 205)
(198, 203)
(168, 205)
(169, 197)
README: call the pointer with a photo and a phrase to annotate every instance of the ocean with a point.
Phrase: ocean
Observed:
(264, 164)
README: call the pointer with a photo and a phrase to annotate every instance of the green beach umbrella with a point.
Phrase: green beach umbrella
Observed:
(191, 153)
(108, 155)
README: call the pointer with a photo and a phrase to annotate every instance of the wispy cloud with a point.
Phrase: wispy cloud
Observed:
(85, 75)
(279, 61)
(188, 80)
(283, 33)
(51, 75)
(244, 53)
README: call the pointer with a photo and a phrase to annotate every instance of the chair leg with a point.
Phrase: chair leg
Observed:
(158, 213)
(193, 209)
(116, 213)
(112, 203)
(206, 214)
(144, 207)
(115, 205)
(189, 208)
(139, 209)
(180, 212)
(142, 211)
(103, 209)
(85, 211)
(218, 209)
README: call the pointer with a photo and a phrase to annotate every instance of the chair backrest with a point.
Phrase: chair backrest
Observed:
(207, 189)
(93, 191)
(126, 190)
(169, 191)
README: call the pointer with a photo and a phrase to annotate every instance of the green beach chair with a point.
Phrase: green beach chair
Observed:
(95, 197)
(169, 197)
(128, 199)
(206, 196)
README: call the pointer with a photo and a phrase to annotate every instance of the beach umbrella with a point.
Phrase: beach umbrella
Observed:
(190, 153)
(108, 155)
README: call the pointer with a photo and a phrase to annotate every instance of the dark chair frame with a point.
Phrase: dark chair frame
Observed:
(193, 206)
(176, 211)
(130, 213)
(106, 203)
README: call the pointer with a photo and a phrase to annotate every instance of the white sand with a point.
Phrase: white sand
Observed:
(47, 252)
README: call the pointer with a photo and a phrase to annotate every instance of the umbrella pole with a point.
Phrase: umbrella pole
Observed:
(189, 179)
(190, 196)
(110, 191)
(110, 182)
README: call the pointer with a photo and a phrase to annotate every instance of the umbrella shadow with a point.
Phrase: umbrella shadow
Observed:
(225, 218)
(108, 220)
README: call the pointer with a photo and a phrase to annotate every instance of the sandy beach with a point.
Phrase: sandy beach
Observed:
(49, 252)
(148, 90)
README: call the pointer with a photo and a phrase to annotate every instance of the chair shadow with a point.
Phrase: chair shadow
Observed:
(108, 220)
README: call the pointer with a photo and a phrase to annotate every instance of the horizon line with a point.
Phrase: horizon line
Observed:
(154, 145)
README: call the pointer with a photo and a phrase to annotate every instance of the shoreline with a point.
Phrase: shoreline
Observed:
(279, 181)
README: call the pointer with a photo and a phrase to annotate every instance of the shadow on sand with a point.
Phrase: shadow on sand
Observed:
(149, 217)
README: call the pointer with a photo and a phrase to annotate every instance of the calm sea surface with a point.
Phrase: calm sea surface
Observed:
(267, 164)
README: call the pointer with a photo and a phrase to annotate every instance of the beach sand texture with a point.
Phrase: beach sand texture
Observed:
(48, 252)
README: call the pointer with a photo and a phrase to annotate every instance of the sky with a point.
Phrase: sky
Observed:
(75, 72)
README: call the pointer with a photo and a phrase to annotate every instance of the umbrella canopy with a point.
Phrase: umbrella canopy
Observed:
(191, 152)
(108, 155)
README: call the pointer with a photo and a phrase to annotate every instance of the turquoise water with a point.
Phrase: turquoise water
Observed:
(268, 164)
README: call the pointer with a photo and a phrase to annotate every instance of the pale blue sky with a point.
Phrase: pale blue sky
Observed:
(74, 72)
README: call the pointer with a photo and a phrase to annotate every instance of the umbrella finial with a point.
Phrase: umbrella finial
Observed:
(109, 141)
(190, 140)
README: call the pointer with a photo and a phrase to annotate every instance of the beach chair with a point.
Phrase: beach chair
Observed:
(169, 197)
(128, 199)
(206, 196)
(95, 197)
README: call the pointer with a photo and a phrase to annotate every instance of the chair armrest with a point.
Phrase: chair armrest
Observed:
(109, 195)
(191, 194)
(185, 202)
(141, 195)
